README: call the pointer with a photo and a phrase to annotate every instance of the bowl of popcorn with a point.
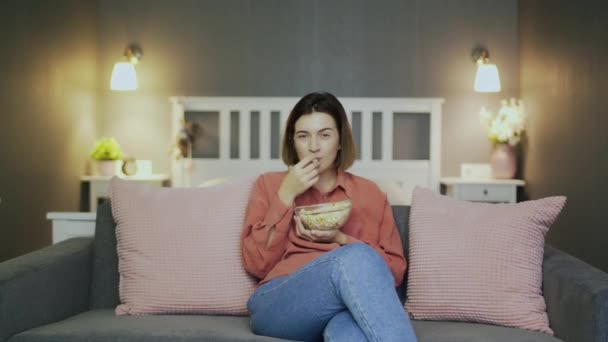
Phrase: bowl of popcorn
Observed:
(324, 216)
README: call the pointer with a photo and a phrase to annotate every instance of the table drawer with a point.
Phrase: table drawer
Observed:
(485, 192)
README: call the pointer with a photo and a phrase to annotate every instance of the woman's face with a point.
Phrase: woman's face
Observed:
(316, 133)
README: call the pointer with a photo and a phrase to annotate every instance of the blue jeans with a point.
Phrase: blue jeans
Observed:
(347, 294)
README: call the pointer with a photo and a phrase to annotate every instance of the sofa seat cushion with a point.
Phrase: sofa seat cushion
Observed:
(104, 325)
(443, 331)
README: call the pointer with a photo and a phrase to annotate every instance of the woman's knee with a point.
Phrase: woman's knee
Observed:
(360, 256)
(359, 251)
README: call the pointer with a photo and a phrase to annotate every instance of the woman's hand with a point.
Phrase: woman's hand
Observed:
(300, 178)
(315, 235)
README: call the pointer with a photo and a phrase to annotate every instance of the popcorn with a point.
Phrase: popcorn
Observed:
(326, 216)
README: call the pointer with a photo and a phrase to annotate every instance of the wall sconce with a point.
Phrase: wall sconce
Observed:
(486, 79)
(124, 77)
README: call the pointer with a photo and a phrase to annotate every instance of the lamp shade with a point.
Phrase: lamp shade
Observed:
(123, 77)
(487, 80)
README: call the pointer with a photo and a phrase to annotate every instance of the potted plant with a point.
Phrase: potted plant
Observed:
(106, 152)
(505, 130)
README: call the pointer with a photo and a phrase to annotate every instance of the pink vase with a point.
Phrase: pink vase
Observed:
(503, 162)
(106, 167)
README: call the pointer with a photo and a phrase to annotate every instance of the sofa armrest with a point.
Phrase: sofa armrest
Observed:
(44, 286)
(576, 294)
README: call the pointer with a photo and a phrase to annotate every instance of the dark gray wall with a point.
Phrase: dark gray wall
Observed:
(288, 48)
(564, 64)
(48, 101)
(56, 59)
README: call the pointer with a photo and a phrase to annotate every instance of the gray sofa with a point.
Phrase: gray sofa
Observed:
(68, 292)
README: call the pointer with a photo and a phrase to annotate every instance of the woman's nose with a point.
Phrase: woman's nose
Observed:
(313, 145)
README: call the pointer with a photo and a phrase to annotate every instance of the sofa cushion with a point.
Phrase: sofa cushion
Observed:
(179, 248)
(103, 325)
(479, 262)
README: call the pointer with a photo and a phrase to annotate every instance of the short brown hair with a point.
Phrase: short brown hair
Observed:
(321, 102)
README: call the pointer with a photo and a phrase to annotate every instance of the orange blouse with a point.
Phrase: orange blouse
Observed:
(371, 221)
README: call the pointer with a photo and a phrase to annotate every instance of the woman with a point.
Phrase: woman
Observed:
(338, 285)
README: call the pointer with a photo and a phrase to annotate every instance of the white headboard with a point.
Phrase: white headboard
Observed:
(380, 166)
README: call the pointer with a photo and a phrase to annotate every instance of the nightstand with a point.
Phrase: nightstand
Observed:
(67, 225)
(481, 189)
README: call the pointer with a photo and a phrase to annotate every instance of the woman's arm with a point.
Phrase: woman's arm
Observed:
(267, 224)
(269, 216)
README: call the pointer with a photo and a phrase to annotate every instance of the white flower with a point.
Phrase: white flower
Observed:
(508, 125)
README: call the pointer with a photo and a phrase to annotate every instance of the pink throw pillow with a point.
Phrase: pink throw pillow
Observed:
(478, 262)
(179, 248)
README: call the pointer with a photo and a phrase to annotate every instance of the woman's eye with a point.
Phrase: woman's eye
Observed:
(301, 136)
(326, 135)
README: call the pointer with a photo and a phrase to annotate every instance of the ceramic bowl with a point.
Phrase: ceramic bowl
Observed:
(324, 216)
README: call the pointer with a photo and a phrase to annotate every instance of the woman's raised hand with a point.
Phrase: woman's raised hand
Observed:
(300, 178)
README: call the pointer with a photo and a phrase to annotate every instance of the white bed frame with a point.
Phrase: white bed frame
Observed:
(406, 174)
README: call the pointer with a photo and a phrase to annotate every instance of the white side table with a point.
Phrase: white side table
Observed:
(98, 188)
(481, 189)
(67, 225)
